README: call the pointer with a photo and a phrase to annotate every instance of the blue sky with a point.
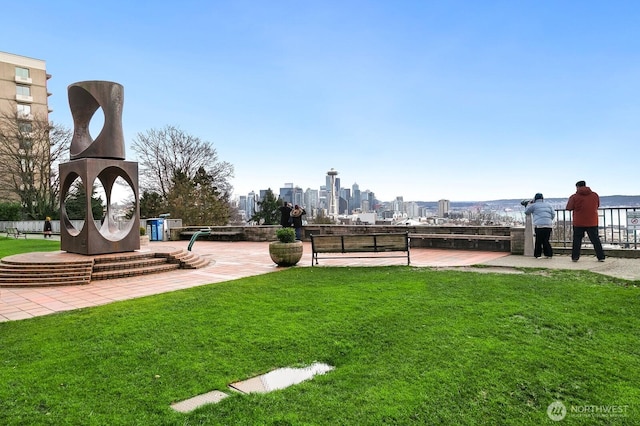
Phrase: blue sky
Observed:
(464, 100)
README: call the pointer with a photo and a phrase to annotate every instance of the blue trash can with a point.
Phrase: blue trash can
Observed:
(156, 229)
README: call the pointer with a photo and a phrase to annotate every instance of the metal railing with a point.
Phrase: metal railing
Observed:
(615, 228)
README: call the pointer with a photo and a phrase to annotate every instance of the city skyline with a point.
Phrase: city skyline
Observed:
(632, 200)
(276, 189)
(462, 100)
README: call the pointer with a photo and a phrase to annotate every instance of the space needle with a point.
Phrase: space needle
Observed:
(333, 201)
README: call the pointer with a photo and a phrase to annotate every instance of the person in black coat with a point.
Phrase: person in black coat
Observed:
(47, 227)
(285, 214)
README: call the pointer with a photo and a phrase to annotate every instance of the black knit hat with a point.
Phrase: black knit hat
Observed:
(538, 196)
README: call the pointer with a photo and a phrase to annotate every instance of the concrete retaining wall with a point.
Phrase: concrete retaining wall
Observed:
(268, 233)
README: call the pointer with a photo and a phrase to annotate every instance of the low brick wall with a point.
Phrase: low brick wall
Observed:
(247, 233)
(515, 245)
(268, 233)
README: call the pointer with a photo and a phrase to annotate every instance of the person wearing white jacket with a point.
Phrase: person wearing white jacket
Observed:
(542, 214)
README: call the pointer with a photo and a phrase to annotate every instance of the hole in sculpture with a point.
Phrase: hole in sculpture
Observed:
(123, 196)
(74, 204)
(118, 200)
(98, 202)
(123, 204)
(96, 124)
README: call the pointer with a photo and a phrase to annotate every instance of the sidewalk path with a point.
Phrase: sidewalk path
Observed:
(628, 269)
(233, 260)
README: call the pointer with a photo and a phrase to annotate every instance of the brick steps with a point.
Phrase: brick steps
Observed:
(133, 271)
(65, 271)
(128, 264)
(37, 274)
(187, 259)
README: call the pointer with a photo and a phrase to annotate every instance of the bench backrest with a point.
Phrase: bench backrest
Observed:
(359, 243)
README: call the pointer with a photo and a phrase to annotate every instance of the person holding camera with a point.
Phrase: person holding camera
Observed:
(296, 216)
(542, 215)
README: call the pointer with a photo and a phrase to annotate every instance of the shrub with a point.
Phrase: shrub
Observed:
(286, 235)
(10, 211)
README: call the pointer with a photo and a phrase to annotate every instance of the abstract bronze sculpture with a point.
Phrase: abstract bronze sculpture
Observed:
(96, 160)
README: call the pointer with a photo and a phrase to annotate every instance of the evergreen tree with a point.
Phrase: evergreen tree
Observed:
(268, 210)
(10, 211)
(197, 200)
(151, 205)
(75, 203)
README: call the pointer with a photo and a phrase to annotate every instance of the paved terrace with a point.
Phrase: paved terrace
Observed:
(233, 260)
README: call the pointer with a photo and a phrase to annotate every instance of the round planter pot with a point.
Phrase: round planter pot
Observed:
(144, 240)
(285, 254)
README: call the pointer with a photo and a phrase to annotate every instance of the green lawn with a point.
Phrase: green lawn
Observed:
(410, 346)
(11, 245)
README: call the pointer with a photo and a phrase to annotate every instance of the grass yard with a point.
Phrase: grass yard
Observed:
(410, 346)
(11, 245)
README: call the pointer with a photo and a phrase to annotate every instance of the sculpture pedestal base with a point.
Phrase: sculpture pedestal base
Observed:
(92, 238)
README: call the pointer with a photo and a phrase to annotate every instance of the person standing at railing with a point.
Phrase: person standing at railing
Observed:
(542, 214)
(584, 204)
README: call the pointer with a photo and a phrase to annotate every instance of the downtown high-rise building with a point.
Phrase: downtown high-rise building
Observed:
(444, 207)
(250, 205)
(311, 201)
(355, 194)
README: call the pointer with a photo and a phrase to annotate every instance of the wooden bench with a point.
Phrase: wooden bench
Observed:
(15, 232)
(363, 243)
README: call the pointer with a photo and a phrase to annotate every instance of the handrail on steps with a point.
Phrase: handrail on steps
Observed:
(204, 231)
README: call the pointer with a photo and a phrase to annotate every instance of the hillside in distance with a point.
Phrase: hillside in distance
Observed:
(605, 201)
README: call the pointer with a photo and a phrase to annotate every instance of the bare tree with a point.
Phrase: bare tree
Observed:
(30, 151)
(169, 152)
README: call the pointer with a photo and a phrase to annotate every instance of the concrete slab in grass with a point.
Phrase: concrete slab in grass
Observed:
(273, 380)
(197, 401)
(280, 378)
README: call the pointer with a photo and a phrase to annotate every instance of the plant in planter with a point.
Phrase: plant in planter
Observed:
(286, 251)
(286, 235)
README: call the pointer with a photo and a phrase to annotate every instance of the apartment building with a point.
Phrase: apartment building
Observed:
(444, 207)
(23, 86)
(23, 103)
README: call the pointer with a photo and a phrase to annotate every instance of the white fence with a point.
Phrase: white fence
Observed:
(36, 226)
